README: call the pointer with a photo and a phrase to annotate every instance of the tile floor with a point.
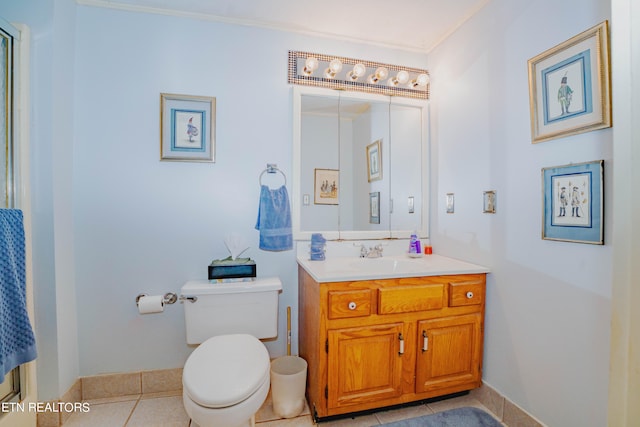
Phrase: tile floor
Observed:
(166, 410)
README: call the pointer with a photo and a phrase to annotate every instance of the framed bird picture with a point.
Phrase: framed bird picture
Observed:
(187, 128)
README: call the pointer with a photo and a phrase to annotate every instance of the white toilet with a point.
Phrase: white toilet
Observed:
(226, 379)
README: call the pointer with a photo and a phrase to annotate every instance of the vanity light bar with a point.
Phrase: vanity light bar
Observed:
(334, 72)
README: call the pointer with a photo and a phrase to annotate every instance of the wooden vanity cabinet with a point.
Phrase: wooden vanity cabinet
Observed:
(376, 343)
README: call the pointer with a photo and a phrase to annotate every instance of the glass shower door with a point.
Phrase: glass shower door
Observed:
(10, 387)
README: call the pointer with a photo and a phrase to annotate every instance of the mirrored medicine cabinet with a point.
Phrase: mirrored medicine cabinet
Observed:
(360, 165)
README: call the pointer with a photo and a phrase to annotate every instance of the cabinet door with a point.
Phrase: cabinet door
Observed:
(364, 364)
(450, 352)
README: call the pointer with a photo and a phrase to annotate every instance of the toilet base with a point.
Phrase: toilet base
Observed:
(239, 415)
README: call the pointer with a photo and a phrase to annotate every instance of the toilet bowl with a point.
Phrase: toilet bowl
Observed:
(226, 380)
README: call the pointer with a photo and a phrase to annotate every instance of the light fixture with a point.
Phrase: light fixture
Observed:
(334, 68)
(358, 71)
(399, 79)
(380, 74)
(337, 72)
(310, 65)
(421, 81)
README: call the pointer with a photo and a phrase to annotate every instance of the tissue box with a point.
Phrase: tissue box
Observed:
(232, 268)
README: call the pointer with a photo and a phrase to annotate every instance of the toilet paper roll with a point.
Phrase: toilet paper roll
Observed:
(151, 304)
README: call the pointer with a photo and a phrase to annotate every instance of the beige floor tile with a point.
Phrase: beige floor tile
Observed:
(301, 421)
(114, 399)
(111, 385)
(74, 394)
(392, 415)
(162, 380)
(490, 398)
(105, 415)
(161, 394)
(48, 419)
(160, 412)
(515, 416)
(456, 402)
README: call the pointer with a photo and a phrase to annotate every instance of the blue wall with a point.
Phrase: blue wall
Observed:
(112, 221)
(547, 328)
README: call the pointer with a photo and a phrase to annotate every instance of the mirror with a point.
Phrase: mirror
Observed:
(360, 165)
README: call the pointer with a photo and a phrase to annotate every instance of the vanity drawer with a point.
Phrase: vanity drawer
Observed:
(352, 303)
(466, 293)
(405, 299)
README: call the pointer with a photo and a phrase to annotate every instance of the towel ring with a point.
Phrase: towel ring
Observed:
(272, 168)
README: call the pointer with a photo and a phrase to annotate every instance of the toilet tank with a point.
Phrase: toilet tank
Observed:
(212, 309)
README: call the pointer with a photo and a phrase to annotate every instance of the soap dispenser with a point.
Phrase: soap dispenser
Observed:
(414, 245)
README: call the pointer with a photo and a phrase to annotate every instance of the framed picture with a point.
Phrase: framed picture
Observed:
(374, 207)
(572, 200)
(187, 128)
(374, 159)
(325, 186)
(569, 86)
(489, 204)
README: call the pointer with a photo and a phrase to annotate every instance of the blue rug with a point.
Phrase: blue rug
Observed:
(459, 417)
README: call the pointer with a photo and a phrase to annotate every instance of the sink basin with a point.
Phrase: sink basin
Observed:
(387, 267)
(390, 265)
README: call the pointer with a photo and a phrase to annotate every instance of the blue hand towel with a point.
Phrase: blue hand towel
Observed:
(274, 219)
(17, 342)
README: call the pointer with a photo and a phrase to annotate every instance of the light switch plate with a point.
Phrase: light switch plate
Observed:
(450, 203)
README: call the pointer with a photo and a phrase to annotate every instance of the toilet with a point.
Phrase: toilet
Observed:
(226, 378)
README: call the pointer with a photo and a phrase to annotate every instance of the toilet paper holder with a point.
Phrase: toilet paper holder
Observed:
(169, 298)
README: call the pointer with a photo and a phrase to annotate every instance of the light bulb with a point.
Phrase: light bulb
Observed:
(335, 65)
(380, 74)
(357, 72)
(421, 81)
(310, 65)
(401, 78)
(334, 68)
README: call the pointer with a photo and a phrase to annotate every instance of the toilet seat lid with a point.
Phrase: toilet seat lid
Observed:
(225, 370)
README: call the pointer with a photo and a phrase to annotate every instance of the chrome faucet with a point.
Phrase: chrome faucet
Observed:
(374, 252)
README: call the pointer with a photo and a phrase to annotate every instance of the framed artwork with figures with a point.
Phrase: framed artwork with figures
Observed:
(572, 200)
(326, 186)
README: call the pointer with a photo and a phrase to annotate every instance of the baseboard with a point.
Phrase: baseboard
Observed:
(504, 409)
(102, 388)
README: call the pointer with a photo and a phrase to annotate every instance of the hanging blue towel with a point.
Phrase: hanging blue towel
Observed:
(274, 219)
(17, 342)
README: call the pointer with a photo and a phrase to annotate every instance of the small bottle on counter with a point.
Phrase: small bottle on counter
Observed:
(414, 245)
(428, 250)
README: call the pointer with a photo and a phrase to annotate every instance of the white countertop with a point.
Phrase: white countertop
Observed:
(348, 268)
